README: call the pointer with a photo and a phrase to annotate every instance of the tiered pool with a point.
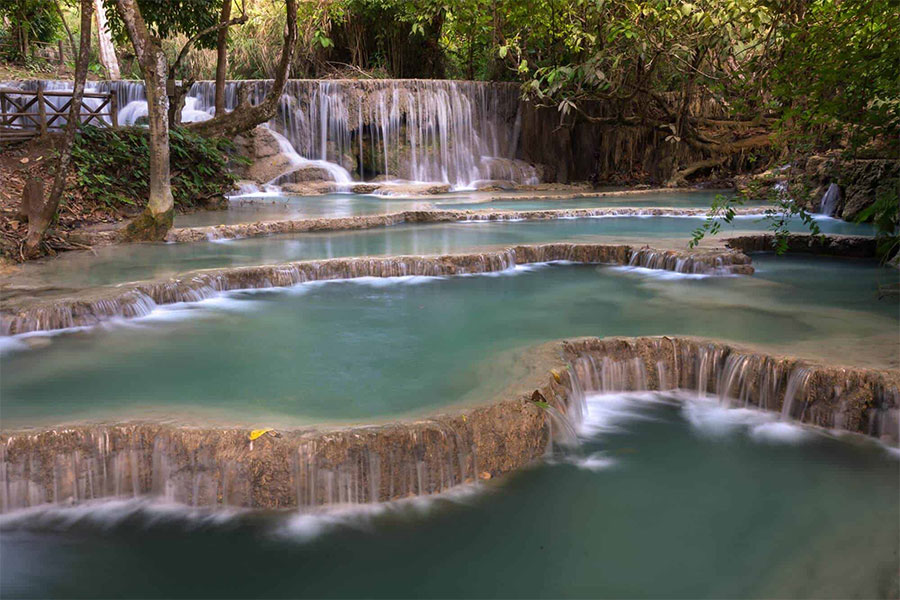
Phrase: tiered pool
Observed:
(674, 494)
(116, 264)
(380, 348)
(249, 208)
(657, 502)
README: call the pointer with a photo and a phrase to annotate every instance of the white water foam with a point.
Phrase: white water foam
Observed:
(10, 344)
(108, 514)
(596, 462)
(662, 274)
(709, 417)
(609, 412)
(306, 526)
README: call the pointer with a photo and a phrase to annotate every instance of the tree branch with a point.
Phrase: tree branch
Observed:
(184, 49)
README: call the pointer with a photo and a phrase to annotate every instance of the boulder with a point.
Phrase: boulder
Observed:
(364, 188)
(314, 188)
(264, 143)
(304, 174)
(861, 181)
(494, 185)
(266, 169)
(510, 169)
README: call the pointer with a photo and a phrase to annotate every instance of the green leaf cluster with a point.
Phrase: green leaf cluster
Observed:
(112, 166)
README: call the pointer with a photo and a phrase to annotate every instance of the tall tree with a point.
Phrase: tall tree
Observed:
(40, 216)
(157, 219)
(222, 57)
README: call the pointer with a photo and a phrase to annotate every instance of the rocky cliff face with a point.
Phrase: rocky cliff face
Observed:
(606, 152)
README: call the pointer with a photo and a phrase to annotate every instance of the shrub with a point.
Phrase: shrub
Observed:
(112, 166)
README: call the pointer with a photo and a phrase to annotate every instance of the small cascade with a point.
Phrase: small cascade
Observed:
(608, 375)
(680, 262)
(796, 385)
(862, 401)
(563, 427)
(222, 468)
(137, 300)
(830, 200)
(337, 173)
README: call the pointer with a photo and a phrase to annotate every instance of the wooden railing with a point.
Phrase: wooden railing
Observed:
(26, 114)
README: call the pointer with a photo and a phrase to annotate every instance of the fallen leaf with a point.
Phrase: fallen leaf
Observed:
(256, 433)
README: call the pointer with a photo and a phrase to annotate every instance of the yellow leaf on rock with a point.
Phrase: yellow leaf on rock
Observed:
(256, 433)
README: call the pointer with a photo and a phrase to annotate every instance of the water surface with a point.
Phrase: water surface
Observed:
(267, 207)
(135, 262)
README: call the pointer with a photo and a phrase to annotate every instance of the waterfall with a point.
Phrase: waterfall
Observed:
(859, 400)
(453, 132)
(830, 199)
(337, 173)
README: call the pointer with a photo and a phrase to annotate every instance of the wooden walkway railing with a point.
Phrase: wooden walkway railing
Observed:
(26, 114)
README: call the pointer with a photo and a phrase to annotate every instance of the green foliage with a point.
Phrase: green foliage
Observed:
(837, 73)
(777, 217)
(169, 18)
(112, 166)
(883, 213)
(29, 21)
(722, 211)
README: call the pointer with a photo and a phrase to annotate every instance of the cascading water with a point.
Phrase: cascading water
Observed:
(337, 173)
(420, 130)
(830, 200)
(857, 401)
(454, 132)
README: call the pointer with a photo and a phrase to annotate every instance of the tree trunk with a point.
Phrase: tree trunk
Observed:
(39, 218)
(62, 18)
(156, 220)
(222, 58)
(177, 100)
(104, 37)
(245, 117)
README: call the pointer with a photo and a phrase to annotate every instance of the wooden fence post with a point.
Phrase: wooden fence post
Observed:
(113, 109)
(61, 57)
(42, 108)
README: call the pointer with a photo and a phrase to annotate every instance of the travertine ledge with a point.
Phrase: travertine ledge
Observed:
(207, 467)
(25, 315)
(262, 228)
